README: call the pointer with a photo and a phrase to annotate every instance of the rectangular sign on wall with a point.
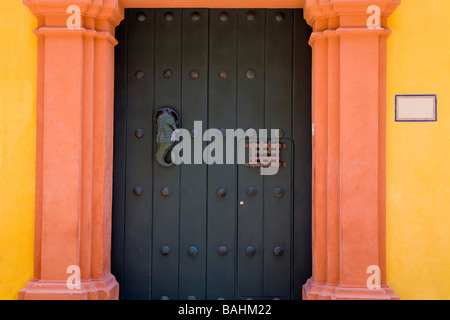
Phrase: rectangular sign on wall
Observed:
(416, 108)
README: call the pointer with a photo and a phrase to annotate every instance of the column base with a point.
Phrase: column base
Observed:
(324, 291)
(104, 289)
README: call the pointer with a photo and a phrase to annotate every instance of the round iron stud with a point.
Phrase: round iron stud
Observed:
(223, 16)
(165, 250)
(168, 16)
(279, 16)
(278, 192)
(138, 191)
(140, 16)
(251, 15)
(167, 74)
(165, 298)
(194, 74)
(166, 191)
(250, 74)
(241, 203)
(139, 74)
(192, 251)
(251, 191)
(195, 16)
(191, 298)
(250, 251)
(194, 133)
(139, 133)
(222, 251)
(223, 74)
(251, 133)
(279, 133)
(221, 192)
(278, 251)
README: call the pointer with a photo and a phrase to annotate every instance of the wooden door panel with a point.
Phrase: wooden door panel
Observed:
(230, 69)
(193, 196)
(166, 215)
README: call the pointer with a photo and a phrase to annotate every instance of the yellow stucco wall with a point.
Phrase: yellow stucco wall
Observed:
(17, 145)
(418, 154)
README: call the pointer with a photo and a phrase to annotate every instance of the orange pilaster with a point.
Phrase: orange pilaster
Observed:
(349, 102)
(74, 156)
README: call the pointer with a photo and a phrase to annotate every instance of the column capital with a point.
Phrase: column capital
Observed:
(332, 14)
(100, 15)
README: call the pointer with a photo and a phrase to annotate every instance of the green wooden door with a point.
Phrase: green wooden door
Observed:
(220, 231)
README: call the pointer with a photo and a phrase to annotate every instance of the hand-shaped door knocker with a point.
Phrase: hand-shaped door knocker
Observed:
(166, 121)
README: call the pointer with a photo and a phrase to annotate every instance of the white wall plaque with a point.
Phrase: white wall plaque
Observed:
(416, 108)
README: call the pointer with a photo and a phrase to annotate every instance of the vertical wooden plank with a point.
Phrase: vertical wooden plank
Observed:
(166, 208)
(302, 154)
(222, 114)
(120, 125)
(193, 196)
(278, 94)
(278, 108)
(140, 97)
(278, 228)
(250, 114)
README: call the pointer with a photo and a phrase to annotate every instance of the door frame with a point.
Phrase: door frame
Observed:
(74, 159)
